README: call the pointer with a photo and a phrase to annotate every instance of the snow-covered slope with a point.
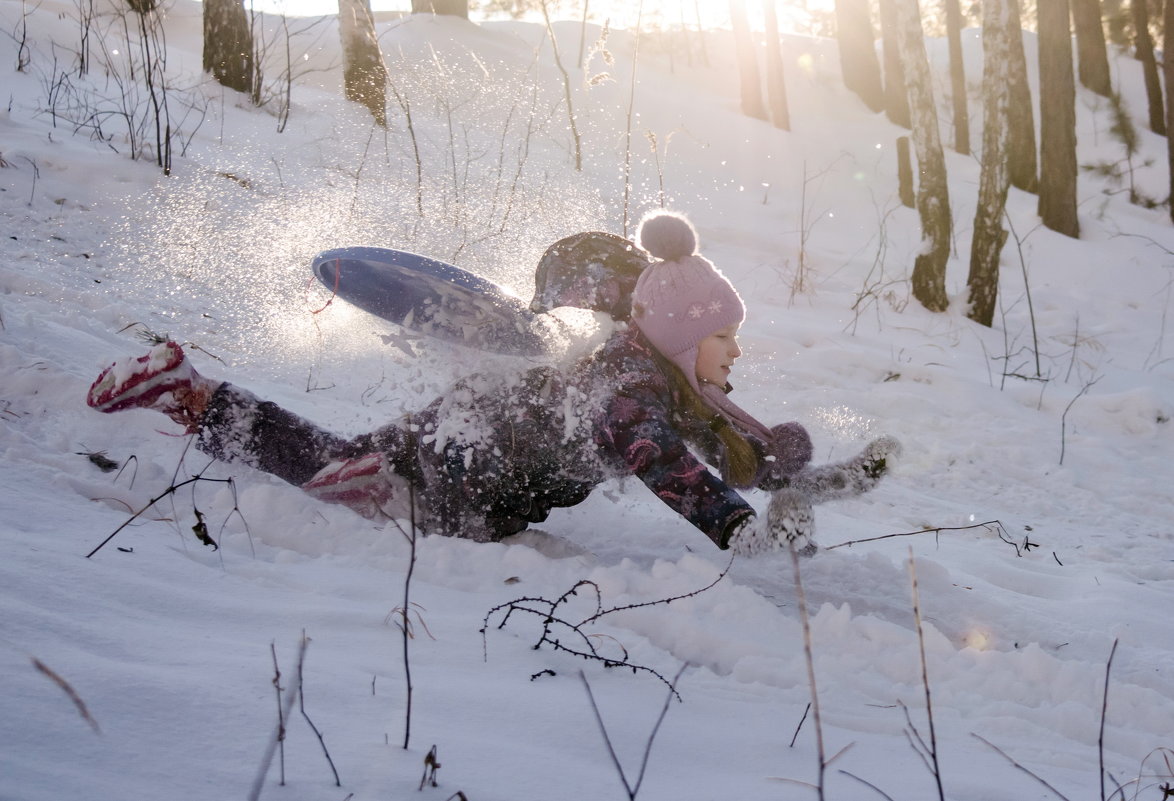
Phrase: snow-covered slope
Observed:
(171, 646)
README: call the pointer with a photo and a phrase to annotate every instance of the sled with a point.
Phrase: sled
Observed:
(430, 297)
(592, 270)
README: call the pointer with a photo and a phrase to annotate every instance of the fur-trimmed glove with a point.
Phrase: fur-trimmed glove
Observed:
(789, 521)
(857, 475)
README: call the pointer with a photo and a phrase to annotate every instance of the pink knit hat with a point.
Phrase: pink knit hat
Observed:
(680, 299)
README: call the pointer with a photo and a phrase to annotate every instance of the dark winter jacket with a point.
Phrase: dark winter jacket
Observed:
(499, 452)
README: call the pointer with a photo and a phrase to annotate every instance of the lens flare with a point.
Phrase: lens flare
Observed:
(977, 638)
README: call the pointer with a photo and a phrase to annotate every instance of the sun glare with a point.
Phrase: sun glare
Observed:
(620, 14)
(977, 638)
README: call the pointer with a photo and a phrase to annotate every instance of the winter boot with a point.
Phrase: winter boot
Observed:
(366, 485)
(162, 380)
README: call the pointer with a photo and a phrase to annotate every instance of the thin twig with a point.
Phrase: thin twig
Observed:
(807, 653)
(1015, 764)
(628, 124)
(546, 610)
(1064, 416)
(302, 709)
(1104, 713)
(566, 86)
(937, 530)
(933, 740)
(656, 728)
(632, 790)
(661, 601)
(280, 718)
(795, 736)
(1167, 788)
(67, 688)
(916, 741)
(267, 758)
(611, 751)
(431, 766)
(406, 625)
(867, 784)
(169, 491)
(1027, 290)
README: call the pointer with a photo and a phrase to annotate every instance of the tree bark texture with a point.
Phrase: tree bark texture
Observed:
(933, 197)
(776, 85)
(363, 71)
(1057, 182)
(1144, 44)
(751, 84)
(1168, 68)
(857, 45)
(228, 44)
(896, 94)
(998, 38)
(905, 173)
(958, 77)
(1092, 58)
(1022, 161)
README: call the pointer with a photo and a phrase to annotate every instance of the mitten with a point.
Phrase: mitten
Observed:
(789, 522)
(789, 449)
(857, 475)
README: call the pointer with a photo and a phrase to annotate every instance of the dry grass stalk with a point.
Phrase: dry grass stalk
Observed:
(67, 688)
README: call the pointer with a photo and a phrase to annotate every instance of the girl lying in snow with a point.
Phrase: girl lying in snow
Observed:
(497, 453)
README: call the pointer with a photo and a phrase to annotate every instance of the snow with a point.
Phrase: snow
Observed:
(167, 642)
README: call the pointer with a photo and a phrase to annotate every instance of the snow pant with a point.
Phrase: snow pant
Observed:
(479, 493)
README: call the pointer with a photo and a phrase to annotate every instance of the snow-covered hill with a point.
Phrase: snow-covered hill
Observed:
(1055, 423)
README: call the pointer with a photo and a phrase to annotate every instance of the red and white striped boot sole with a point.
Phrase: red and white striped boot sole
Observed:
(142, 382)
(365, 484)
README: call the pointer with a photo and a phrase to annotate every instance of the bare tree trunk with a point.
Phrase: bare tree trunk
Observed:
(958, 78)
(933, 197)
(1118, 20)
(363, 71)
(228, 44)
(1149, 67)
(776, 85)
(1022, 161)
(1057, 185)
(747, 62)
(904, 173)
(454, 8)
(1168, 68)
(998, 38)
(857, 44)
(896, 94)
(1091, 55)
(701, 33)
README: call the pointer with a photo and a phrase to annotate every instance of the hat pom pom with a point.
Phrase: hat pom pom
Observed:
(668, 236)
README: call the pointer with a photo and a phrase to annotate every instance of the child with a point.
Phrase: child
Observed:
(497, 453)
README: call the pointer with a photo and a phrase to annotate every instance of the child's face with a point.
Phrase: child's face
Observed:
(716, 354)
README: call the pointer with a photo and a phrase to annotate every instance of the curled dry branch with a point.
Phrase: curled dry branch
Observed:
(990, 525)
(583, 645)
